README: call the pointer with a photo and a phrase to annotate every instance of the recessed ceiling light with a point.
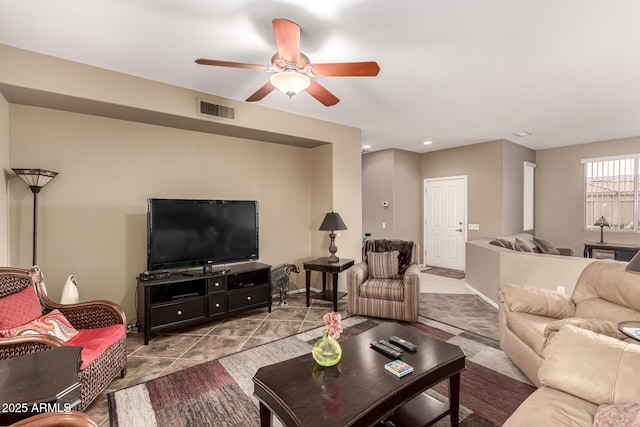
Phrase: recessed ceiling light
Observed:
(366, 147)
(523, 134)
(427, 143)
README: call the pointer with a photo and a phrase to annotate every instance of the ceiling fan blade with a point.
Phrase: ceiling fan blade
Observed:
(261, 93)
(370, 68)
(322, 94)
(287, 35)
(203, 61)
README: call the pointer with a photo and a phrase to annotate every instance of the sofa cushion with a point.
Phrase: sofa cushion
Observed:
(549, 407)
(387, 289)
(19, 308)
(545, 246)
(53, 323)
(608, 280)
(599, 326)
(602, 309)
(591, 366)
(540, 301)
(383, 265)
(94, 342)
(529, 328)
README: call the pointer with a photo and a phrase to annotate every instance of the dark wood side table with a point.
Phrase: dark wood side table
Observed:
(621, 251)
(323, 265)
(45, 381)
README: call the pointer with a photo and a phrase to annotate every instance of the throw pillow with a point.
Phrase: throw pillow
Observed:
(383, 265)
(522, 246)
(546, 247)
(539, 301)
(53, 323)
(617, 415)
(497, 242)
(19, 308)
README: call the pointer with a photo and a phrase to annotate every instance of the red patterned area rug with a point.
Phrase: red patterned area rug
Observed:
(219, 393)
(444, 272)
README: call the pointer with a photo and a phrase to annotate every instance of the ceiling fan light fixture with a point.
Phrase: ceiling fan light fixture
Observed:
(290, 82)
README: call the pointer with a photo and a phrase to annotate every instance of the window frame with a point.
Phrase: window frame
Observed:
(614, 221)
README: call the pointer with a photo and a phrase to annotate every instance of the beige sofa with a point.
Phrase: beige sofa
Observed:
(605, 294)
(588, 379)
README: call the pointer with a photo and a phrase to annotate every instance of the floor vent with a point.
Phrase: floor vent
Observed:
(216, 110)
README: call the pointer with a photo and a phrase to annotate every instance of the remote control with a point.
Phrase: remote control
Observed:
(385, 350)
(403, 343)
(391, 346)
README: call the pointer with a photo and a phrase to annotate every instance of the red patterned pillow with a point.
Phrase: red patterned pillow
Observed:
(53, 323)
(19, 308)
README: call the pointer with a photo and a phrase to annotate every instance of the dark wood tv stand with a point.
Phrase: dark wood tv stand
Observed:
(183, 300)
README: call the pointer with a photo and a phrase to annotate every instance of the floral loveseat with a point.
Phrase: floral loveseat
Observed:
(31, 322)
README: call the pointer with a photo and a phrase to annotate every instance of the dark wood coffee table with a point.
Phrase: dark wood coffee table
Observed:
(358, 390)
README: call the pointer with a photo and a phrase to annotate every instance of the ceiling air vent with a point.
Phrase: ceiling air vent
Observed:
(216, 110)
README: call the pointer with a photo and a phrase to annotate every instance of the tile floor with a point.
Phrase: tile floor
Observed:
(179, 349)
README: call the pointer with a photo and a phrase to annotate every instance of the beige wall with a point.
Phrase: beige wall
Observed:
(92, 217)
(407, 203)
(392, 176)
(514, 156)
(377, 186)
(482, 164)
(4, 176)
(117, 140)
(559, 193)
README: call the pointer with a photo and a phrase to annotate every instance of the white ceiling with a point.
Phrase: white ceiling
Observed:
(454, 72)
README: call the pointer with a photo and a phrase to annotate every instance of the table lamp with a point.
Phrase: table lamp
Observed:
(601, 222)
(332, 222)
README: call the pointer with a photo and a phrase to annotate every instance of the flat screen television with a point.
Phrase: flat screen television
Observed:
(184, 233)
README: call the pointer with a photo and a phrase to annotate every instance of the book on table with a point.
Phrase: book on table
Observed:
(398, 368)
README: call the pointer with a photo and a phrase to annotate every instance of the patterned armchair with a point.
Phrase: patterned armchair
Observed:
(31, 322)
(387, 282)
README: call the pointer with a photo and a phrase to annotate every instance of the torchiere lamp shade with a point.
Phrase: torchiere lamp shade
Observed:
(332, 222)
(35, 178)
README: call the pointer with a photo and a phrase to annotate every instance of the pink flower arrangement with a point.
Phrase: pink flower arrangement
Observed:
(333, 321)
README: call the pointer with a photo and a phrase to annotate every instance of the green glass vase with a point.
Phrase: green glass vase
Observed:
(327, 351)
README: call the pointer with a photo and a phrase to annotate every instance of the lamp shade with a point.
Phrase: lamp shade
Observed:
(35, 178)
(290, 82)
(332, 221)
(634, 264)
(601, 222)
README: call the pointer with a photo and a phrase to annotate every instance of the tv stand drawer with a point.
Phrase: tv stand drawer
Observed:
(217, 304)
(249, 297)
(178, 312)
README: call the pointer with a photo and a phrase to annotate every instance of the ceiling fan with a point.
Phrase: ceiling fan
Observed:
(292, 70)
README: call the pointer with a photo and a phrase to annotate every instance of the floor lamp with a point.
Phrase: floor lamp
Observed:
(35, 179)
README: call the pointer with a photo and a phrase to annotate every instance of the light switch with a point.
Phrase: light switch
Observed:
(384, 225)
(474, 227)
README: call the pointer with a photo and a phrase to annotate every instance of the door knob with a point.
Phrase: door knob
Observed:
(460, 230)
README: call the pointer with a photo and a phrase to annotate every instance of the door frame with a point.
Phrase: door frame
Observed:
(465, 221)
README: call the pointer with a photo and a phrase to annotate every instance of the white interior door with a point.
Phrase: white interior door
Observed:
(445, 217)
